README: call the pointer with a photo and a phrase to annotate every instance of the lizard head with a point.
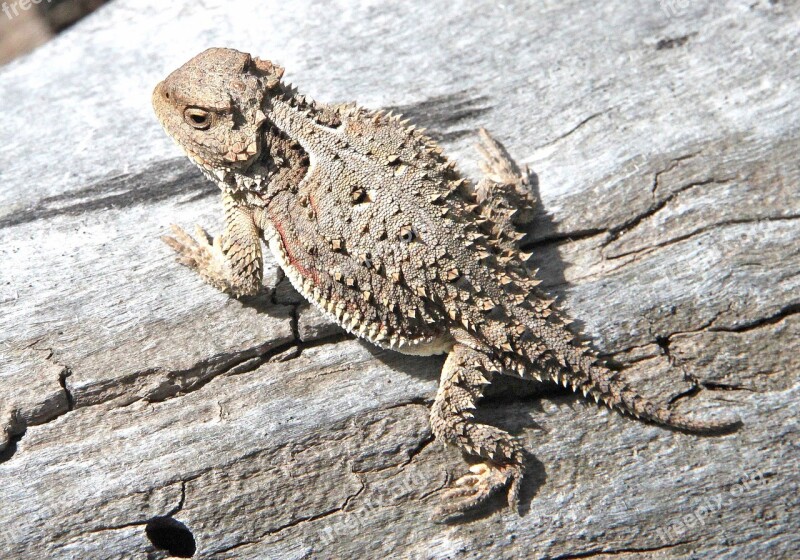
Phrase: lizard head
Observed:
(212, 107)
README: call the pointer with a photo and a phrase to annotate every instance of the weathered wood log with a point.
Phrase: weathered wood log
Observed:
(664, 138)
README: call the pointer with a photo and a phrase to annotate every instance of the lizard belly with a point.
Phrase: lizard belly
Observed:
(416, 346)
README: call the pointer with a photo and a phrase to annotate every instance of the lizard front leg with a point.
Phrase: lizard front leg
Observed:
(464, 375)
(231, 262)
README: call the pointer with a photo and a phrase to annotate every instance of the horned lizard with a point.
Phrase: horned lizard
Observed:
(373, 224)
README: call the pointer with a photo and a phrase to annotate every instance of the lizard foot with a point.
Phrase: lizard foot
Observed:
(474, 489)
(191, 252)
(201, 254)
(197, 253)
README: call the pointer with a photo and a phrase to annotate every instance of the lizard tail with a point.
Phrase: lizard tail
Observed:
(586, 376)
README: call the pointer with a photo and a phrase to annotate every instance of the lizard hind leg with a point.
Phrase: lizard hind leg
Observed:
(464, 375)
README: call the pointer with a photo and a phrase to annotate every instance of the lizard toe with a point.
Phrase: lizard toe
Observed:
(190, 252)
(474, 489)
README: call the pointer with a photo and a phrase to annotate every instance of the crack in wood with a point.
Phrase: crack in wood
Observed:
(574, 129)
(619, 551)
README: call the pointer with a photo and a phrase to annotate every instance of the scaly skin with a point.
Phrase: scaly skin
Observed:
(375, 226)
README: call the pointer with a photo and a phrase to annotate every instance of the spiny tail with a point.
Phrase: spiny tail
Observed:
(583, 374)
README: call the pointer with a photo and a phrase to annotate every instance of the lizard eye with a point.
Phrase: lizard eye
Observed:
(407, 234)
(198, 118)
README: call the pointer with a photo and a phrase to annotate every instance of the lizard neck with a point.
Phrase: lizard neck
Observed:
(284, 158)
(301, 109)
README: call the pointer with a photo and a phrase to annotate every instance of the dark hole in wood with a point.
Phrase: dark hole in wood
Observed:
(171, 535)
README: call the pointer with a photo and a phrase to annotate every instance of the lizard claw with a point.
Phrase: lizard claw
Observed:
(201, 234)
(483, 482)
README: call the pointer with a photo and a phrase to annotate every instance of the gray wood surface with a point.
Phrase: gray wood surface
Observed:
(665, 139)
